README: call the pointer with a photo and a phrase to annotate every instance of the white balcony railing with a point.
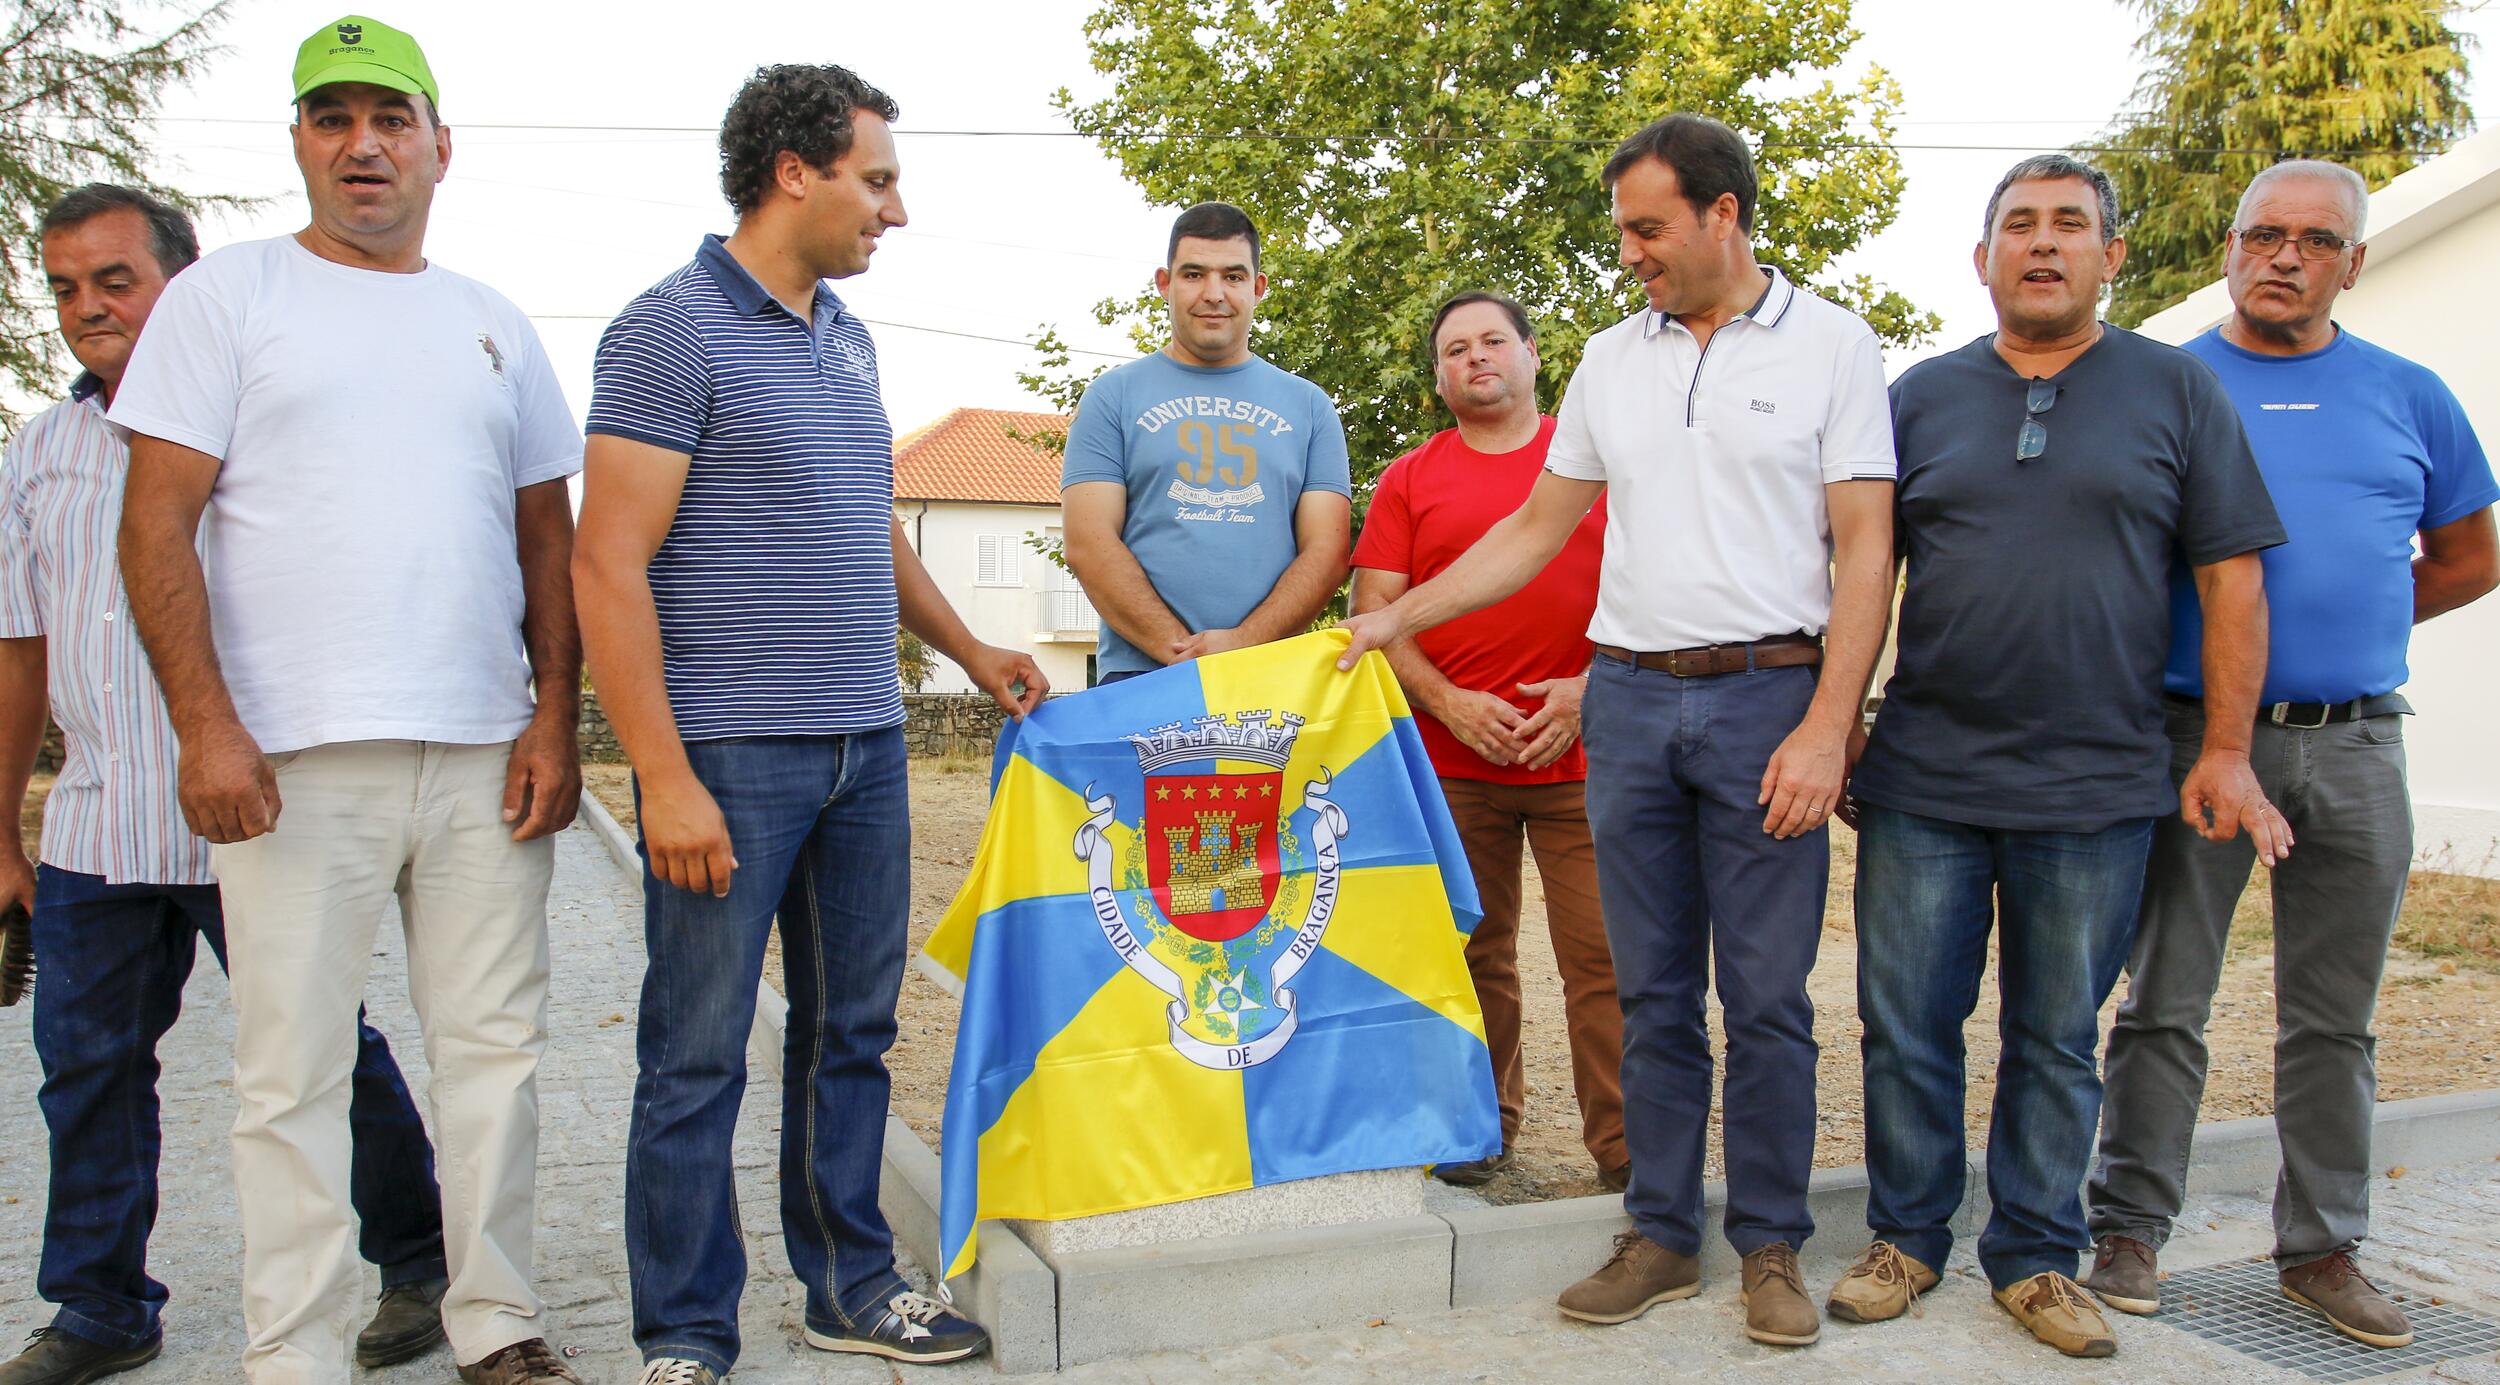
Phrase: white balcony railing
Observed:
(1065, 610)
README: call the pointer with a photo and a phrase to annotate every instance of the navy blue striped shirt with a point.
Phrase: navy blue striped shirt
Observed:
(775, 585)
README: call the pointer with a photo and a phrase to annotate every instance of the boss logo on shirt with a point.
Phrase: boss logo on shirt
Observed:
(494, 355)
(1765, 406)
(2295, 408)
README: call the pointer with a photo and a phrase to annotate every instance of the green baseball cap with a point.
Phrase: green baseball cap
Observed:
(357, 49)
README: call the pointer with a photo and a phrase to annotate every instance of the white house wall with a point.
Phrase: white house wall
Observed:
(948, 538)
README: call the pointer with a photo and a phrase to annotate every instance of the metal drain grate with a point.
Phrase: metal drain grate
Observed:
(2240, 1306)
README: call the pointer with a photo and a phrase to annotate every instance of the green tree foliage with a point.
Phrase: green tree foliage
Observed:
(913, 660)
(78, 81)
(2231, 86)
(1394, 152)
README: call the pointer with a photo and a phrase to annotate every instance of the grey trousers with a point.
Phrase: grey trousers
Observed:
(2336, 897)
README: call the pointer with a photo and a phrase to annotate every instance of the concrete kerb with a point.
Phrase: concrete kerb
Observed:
(1100, 1305)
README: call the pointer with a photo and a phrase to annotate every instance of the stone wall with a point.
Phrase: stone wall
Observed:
(933, 724)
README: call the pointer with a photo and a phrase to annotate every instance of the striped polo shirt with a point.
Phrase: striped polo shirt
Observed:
(113, 810)
(775, 585)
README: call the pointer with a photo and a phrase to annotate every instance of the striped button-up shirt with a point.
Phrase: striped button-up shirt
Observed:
(113, 810)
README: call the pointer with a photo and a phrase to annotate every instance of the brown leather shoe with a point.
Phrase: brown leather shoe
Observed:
(522, 1363)
(2056, 1311)
(1881, 1286)
(1777, 1311)
(2351, 1304)
(2125, 1275)
(1615, 1180)
(1640, 1275)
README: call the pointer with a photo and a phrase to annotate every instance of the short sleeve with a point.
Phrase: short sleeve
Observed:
(1096, 450)
(551, 444)
(649, 381)
(1387, 543)
(2460, 482)
(2224, 509)
(1327, 467)
(21, 609)
(1857, 424)
(184, 382)
(1573, 454)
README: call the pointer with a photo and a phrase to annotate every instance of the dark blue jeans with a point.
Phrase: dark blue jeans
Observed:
(1684, 869)
(114, 961)
(2063, 905)
(821, 826)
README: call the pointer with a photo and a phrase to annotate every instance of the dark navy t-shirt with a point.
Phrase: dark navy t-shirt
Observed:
(2036, 618)
(2361, 449)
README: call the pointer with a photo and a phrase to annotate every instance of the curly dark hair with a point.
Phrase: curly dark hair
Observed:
(804, 108)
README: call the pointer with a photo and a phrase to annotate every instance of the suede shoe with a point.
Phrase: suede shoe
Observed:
(2125, 1275)
(522, 1363)
(406, 1323)
(1881, 1286)
(1475, 1173)
(1777, 1310)
(2056, 1311)
(2351, 1304)
(675, 1370)
(1640, 1275)
(57, 1357)
(911, 1328)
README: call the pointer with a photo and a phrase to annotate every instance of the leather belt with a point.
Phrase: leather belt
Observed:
(1779, 651)
(2309, 716)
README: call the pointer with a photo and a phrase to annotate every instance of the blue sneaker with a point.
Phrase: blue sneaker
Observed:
(910, 1327)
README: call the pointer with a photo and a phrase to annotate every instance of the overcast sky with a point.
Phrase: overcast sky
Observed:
(1006, 233)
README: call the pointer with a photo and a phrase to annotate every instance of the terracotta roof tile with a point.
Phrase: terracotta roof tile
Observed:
(970, 454)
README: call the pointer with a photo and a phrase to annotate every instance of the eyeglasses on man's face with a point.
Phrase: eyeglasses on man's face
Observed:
(2264, 241)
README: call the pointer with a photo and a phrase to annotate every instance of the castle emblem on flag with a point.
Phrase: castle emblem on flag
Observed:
(1218, 902)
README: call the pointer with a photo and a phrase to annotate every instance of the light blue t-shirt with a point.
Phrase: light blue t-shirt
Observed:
(2360, 449)
(1215, 460)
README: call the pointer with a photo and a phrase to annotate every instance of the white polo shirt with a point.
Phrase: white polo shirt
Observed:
(1715, 457)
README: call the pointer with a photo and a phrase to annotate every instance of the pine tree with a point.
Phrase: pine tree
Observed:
(2234, 85)
(78, 81)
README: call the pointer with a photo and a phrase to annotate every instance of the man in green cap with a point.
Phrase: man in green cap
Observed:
(379, 449)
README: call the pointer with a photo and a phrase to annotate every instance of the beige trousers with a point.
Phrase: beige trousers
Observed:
(362, 821)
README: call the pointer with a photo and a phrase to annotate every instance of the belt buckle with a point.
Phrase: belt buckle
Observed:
(2278, 715)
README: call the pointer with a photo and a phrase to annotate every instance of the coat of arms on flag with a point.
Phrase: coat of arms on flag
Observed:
(1214, 938)
(1204, 879)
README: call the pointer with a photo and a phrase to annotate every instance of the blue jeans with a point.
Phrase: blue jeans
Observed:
(114, 961)
(821, 826)
(2064, 908)
(1684, 869)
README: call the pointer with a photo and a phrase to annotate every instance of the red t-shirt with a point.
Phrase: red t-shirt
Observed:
(1430, 506)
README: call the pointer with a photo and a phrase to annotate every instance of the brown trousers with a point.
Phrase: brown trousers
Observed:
(1491, 820)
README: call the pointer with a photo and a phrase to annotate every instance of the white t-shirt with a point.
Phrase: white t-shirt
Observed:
(363, 582)
(1715, 457)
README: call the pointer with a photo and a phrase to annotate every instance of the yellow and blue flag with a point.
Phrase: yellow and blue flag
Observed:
(1214, 938)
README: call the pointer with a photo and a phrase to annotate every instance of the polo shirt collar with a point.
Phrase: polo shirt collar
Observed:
(743, 290)
(1777, 295)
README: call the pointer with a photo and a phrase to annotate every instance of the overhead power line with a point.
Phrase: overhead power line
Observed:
(879, 322)
(1396, 137)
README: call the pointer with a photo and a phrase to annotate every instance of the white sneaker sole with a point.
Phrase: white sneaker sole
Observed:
(858, 1347)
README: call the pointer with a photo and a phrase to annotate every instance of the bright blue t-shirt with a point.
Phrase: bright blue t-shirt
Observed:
(1215, 460)
(2360, 448)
